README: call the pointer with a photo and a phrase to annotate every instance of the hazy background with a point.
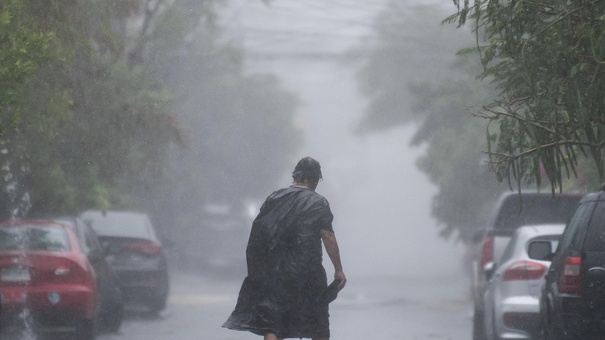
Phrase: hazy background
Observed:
(380, 199)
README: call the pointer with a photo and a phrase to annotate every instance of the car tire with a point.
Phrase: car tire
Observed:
(157, 302)
(111, 319)
(112, 313)
(491, 334)
(541, 333)
(478, 326)
(549, 332)
(85, 330)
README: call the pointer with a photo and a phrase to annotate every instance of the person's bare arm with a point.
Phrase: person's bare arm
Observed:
(329, 240)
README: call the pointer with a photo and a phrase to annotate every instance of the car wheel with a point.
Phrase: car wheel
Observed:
(541, 333)
(85, 330)
(111, 319)
(491, 334)
(478, 326)
(550, 334)
(548, 331)
(157, 302)
(112, 313)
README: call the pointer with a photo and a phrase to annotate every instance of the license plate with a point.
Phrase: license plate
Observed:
(14, 274)
(13, 297)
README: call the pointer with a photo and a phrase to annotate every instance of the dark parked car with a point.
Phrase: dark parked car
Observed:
(217, 241)
(572, 302)
(510, 212)
(111, 303)
(44, 273)
(135, 253)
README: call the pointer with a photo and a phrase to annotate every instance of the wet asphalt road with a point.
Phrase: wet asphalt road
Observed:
(436, 307)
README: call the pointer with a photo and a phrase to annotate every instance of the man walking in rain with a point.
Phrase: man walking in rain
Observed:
(284, 294)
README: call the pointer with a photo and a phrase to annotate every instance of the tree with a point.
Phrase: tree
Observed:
(238, 127)
(91, 121)
(546, 59)
(454, 139)
(412, 76)
(134, 105)
(411, 46)
(22, 48)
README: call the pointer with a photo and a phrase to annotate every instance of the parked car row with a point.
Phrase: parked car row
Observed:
(74, 275)
(572, 299)
(549, 282)
(506, 281)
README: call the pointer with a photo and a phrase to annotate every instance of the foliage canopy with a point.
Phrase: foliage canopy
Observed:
(412, 76)
(547, 60)
(107, 104)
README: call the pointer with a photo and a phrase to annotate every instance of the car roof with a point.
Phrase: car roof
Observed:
(529, 231)
(530, 208)
(594, 196)
(113, 223)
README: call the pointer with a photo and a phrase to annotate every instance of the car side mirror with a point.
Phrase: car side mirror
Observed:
(540, 250)
(488, 270)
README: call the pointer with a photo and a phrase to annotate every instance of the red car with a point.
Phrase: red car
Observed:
(45, 274)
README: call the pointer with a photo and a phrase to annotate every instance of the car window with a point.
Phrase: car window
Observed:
(534, 209)
(510, 248)
(579, 218)
(119, 224)
(77, 230)
(33, 238)
(92, 243)
(595, 239)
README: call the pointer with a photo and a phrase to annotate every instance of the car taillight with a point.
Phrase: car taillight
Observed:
(570, 280)
(487, 251)
(146, 248)
(524, 270)
(60, 272)
(72, 274)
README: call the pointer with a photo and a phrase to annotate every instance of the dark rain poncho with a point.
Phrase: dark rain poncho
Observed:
(281, 293)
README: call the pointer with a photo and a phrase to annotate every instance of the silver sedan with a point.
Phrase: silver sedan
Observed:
(511, 301)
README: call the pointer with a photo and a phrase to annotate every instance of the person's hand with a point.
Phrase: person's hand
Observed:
(340, 276)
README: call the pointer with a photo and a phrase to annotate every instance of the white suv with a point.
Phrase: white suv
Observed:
(510, 212)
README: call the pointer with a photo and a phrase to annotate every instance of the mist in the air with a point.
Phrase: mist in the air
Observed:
(380, 199)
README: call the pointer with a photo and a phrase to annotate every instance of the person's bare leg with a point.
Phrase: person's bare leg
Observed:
(271, 336)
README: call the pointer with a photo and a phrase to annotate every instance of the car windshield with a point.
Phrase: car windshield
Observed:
(115, 224)
(33, 238)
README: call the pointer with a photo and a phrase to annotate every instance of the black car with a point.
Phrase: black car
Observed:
(572, 301)
(135, 253)
(111, 304)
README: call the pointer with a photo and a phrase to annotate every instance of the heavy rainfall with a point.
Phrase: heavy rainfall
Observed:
(150, 132)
